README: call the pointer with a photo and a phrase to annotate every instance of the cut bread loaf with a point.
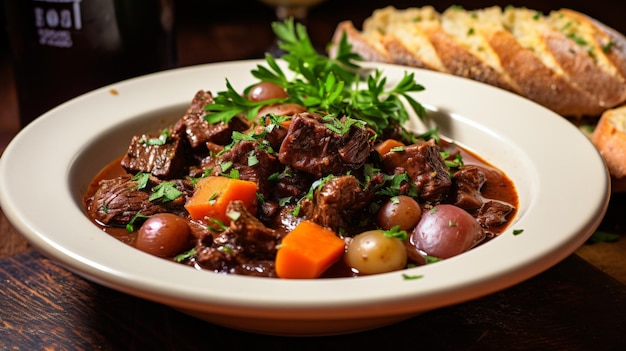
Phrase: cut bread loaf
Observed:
(609, 137)
(566, 61)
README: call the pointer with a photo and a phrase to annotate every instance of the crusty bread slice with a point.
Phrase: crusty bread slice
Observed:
(603, 41)
(540, 83)
(561, 46)
(402, 35)
(470, 30)
(459, 61)
(410, 45)
(418, 37)
(609, 137)
(369, 46)
(565, 61)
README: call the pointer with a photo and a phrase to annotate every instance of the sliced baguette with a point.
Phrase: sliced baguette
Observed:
(369, 46)
(403, 35)
(539, 82)
(565, 61)
(563, 46)
(609, 137)
(418, 37)
(602, 40)
(470, 30)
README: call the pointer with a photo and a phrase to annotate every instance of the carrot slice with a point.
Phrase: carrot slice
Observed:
(307, 251)
(213, 194)
(386, 145)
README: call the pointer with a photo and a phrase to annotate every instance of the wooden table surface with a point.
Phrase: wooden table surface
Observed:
(579, 304)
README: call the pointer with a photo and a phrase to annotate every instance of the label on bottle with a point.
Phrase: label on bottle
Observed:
(55, 20)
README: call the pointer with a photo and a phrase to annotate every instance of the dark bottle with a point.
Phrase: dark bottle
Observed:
(63, 48)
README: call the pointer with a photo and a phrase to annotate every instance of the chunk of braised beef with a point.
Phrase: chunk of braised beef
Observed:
(117, 201)
(284, 221)
(310, 146)
(203, 166)
(292, 183)
(494, 213)
(336, 202)
(244, 247)
(275, 129)
(256, 239)
(268, 210)
(213, 259)
(199, 229)
(425, 166)
(198, 131)
(164, 160)
(274, 134)
(254, 163)
(467, 183)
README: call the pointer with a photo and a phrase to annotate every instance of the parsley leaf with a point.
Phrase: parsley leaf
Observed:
(165, 191)
(142, 180)
(130, 226)
(161, 140)
(396, 232)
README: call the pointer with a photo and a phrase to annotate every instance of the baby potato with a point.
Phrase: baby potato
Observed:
(266, 91)
(402, 211)
(446, 231)
(373, 252)
(163, 235)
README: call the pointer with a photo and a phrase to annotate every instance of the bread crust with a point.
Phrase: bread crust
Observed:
(404, 56)
(546, 86)
(609, 137)
(365, 47)
(582, 71)
(559, 73)
(459, 61)
(610, 42)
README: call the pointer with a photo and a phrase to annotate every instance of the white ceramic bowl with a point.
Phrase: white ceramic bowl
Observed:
(562, 182)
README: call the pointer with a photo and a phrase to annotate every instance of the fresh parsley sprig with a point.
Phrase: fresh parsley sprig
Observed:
(323, 84)
(378, 106)
(302, 58)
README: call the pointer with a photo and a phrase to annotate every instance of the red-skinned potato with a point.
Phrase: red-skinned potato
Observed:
(266, 91)
(163, 235)
(402, 211)
(446, 231)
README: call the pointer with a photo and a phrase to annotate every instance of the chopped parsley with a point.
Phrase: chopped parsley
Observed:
(130, 226)
(142, 179)
(412, 276)
(322, 84)
(165, 192)
(309, 195)
(185, 255)
(396, 232)
(161, 140)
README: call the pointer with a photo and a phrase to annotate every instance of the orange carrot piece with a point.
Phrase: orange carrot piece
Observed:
(307, 251)
(213, 194)
(386, 145)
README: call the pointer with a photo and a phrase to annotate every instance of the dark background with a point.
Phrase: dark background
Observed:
(210, 15)
(219, 19)
(212, 31)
